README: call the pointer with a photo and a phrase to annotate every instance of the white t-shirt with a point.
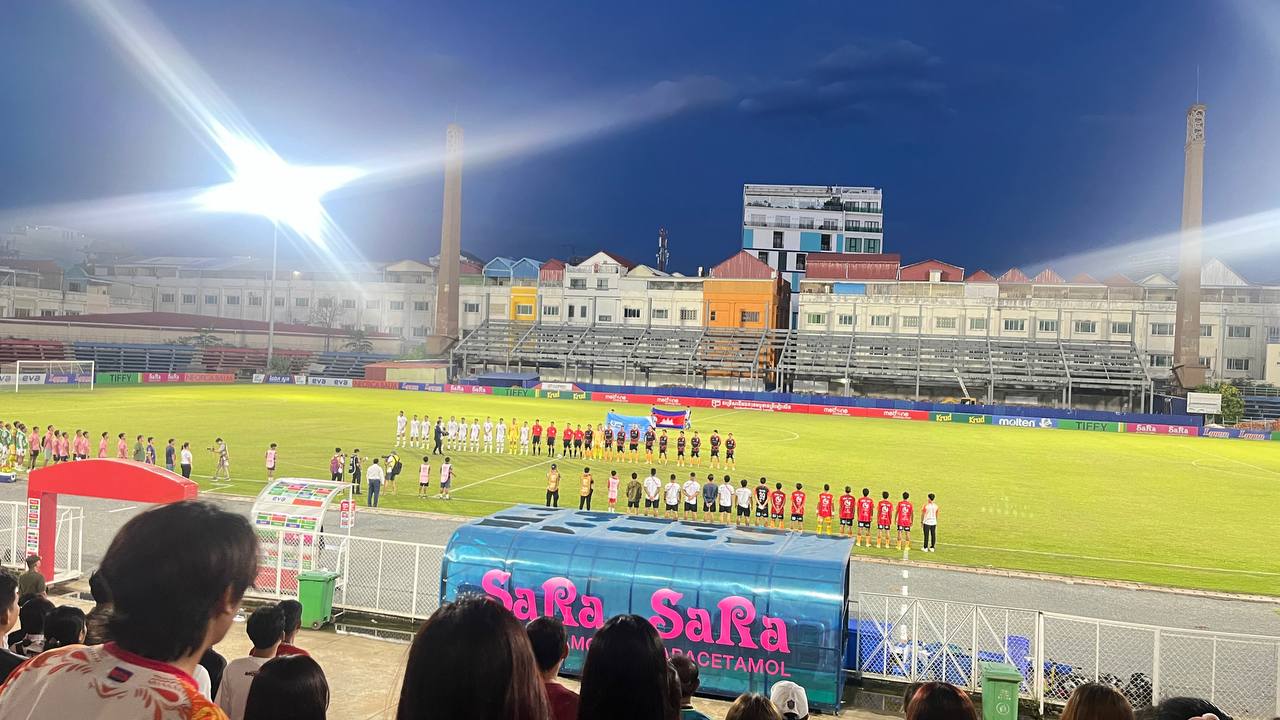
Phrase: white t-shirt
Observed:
(400, 423)
(488, 428)
(725, 494)
(236, 679)
(744, 497)
(930, 515)
(203, 681)
(524, 434)
(652, 486)
(452, 427)
(673, 493)
(475, 431)
(691, 491)
(185, 456)
(375, 472)
(502, 431)
(414, 426)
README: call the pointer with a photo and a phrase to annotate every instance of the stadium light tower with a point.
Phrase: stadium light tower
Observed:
(264, 184)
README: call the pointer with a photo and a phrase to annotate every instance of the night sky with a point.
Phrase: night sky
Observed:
(1002, 133)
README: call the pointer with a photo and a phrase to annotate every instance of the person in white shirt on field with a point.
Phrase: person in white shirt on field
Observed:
(451, 433)
(373, 478)
(929, 521)
(401, 422)
(691, 492)
(652, 491)
(524, 438)
(488, 435)
(415, 429)
(724, 499)
(743, 495)
(475, 435)
(184, 460)
(501, 439)
(266, 630)
(672, 492)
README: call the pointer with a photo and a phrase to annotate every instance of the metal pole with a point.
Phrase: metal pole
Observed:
(271, 294)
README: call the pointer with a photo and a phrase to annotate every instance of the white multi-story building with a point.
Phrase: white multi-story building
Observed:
(783, 224)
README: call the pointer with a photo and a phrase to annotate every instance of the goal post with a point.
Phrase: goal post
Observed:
(27, 375)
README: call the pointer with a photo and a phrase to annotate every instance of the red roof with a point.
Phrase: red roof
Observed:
(1014, 275)
(852, 266)
(981, 276)
(743, 266)
(1048, 277)
(552, 269)
(619, 259)
(1119, 280)
(1084, 279)
(920, 271)
(186, 321)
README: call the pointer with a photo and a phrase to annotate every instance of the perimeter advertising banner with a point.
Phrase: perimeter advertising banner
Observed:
(121, 378)
(1091, 425)
(24, 379)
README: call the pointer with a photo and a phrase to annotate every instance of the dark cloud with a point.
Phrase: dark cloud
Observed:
(857, 82)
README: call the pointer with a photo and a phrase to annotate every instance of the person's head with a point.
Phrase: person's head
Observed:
(906, 495)
(727, 480)
(121, 436)
(687, 671)
(777, 486)
(586, 470)
(625, 676)
(32, 615)
(763, 481)
(478, 640)
(104, 433)
(907, 694)
(265, 627)
(799, 486)
(940, 701)
(635, 476)
(150, 439)
(139, 438)
(884, 495)
(289, 687)
(752, 706)
(826, 487)
(64, 626)
(32, 561)
(930, 497)
(1095, 701)
(8, 602)
(426, 459)
(186, 445)
(550, 643)
(553, 466)
(98, 588)
(790, 700)
(176, 574)
(1184, 708)
(291, 610)
(743, 483)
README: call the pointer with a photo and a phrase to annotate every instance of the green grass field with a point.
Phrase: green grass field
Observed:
(1186, 512)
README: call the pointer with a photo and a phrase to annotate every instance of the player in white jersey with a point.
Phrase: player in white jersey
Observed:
(501, 438)
(475, 435)
(415, 428)
(451, 432)
(488, 435)
(401, 422)
(743, 495)
(524, 439)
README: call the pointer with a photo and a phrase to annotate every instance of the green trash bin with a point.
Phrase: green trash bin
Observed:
(1000, 682)
(315, 592)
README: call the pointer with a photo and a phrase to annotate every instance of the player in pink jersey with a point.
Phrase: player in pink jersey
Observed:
(102, 445)
(884, 518)
(122, 447)
(826, 506)
(797, 508)
(613, 490)
(424, 476)
(271, 462)
(905, 517)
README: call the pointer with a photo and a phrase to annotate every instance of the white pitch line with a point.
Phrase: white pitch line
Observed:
(1116, 560)
(502, 475)
(123, 509)
(1229, 459)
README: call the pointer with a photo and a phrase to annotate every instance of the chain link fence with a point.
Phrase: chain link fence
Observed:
(68, 557)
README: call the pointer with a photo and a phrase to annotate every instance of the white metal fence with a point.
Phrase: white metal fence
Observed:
(379, 576)
(909, 639)
(68, 560)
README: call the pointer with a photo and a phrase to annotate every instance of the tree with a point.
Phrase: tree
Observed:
(279, 365)
(359, 342)
(204, 337)
(1232, 400)
(326, 313)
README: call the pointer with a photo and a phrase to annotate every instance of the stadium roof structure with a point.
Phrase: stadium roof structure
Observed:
(635, 352)
(187, 321)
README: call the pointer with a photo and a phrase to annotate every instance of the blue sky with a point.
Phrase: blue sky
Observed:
(1003, 133)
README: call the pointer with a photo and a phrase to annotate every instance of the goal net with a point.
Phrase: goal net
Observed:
(27, 375)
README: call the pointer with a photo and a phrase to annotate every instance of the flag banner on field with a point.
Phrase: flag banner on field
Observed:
(624, 423)
(675, 419)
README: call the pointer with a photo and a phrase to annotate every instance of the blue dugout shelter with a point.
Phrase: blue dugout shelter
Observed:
(751, 607)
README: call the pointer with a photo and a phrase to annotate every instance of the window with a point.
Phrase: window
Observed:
(1238, 364)
(660, 313)
(301, 302)
(471, 307)
(688, 314)
(210, 299)
(944, 323)
(370, 328)
(395, 305)
(166, 297)
(423, 306)
(911, 321)
(324, 302)
(817, 319)
(749, 316)
(551, 311)
(825, 242)
(1206, 331)
(800, 261)
(1047, 326)
(873, 245)
(631, 312)
(1013, 325)
(977, 323)
(763, 257)
(1160, 360)
(524, 309)
(1162, 329)
(602, 283)
(845, 320)
(396, 330)
(578, 283)
(1273, 333)
(572, 310)
(1239, 331)
(853, 244)
(777, 239)
(419, 332)
(1121, 328)
(806, 223)
(233, 299)
(1206, 362)
(279, 302)
(782, 220)
(879, 321)
(349, 304)
(370, 304)
(1088, 327)
(255, 301)
(48, 313)
(75, 287)
(582, 311)
(604, 318)
(72, 312)
(853, 225)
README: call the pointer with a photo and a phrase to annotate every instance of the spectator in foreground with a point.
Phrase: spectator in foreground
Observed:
(550, 643)
(214, 665)
(292, 611)
(9, 661)
(265, 628)
(907, 694)
(289, 687)
(687, 672)
(625, 676)
(940, 701)
(31, 618)
(96, 621)
(752, 706)
(1095, 701)
(177, 573)
(1184, 708)
(64, 626)
(790, 699)
(31, 582)
(471, 659)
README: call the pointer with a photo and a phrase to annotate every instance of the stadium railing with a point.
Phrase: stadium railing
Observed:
(347, 364)
(12, 350)
(68, 560)
(137, 357)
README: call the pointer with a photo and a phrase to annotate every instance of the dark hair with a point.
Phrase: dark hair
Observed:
(625, 673)
(98, 588)
(291, 610)
(687, 670)
(64, 626)
(289, 687)
(1095, 701)
(548, 639)
(930, 496)
(752, 706)
(31, 616)
(1183, 708)
(884, 495)
(940, 701)
(8, 591)
(907, 694)
(906, 495)
(265, 626)
(477, 639)
(169, 569)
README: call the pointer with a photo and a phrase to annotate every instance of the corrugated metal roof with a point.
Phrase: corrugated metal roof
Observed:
(981, 276)
(1013, 275)
(743, 266)
(919, 271)
(1048, 277)
(187, 321)
(852, 266)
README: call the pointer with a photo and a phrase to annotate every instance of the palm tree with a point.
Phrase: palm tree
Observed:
(358, 342)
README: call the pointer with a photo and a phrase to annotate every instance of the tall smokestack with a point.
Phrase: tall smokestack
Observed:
(1186, 351)
(450, 240)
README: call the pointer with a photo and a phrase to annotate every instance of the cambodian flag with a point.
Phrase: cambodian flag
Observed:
(677, 419)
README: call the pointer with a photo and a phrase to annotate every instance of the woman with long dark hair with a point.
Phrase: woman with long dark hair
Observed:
(288, 687)
(626, 676)
(940, 701)
(472, 659)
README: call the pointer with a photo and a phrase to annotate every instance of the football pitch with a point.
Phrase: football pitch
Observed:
(1186, 512)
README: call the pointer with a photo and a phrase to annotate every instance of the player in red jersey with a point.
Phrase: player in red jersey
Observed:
(762, 503)
(714, 442)
(797, 508)
(777, 503)
(866, 506)
(884, 517)
(826, 505)
(906, 515)
(846, 512)
(649, 438)
(608, 443)
(730, 445)
(537, 437)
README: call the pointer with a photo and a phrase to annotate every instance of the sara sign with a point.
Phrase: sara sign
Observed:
(1204, 403)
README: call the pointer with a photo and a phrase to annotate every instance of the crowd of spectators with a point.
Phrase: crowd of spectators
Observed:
(170, 586)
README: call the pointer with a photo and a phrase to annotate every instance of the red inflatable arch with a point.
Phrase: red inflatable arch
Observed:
(108, 478)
